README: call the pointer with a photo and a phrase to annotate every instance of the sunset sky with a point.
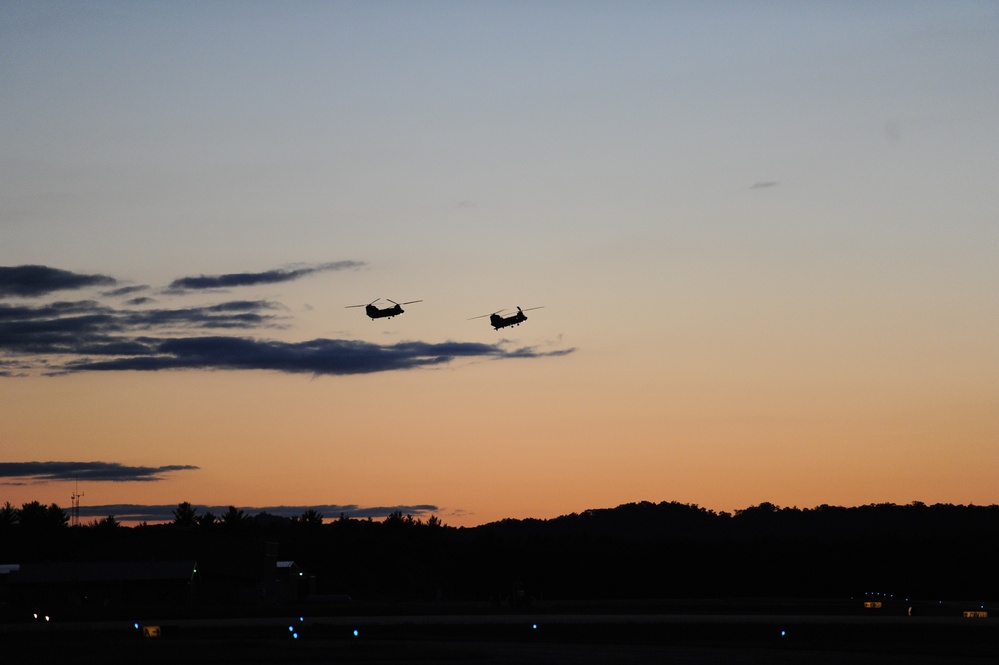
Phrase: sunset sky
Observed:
(765, 237)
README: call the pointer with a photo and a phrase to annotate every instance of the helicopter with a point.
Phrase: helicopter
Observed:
(375, 313)
(498, 321)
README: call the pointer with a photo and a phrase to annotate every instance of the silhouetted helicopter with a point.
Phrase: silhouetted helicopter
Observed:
(376, 313)
(498, 321)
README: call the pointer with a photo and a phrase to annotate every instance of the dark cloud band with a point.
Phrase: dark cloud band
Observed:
(33, 281)
(256, 278)
(318, 356)
(37, 472)
(128, 512)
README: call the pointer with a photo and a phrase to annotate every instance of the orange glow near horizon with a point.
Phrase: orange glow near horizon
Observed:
(763, 244)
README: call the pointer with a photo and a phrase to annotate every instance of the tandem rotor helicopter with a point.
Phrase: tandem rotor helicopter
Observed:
(375, 313)
(497, 321)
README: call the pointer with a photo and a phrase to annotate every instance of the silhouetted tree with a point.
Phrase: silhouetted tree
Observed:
(311, 517)
(108, 522)
(206, 520)
(233, 518)
(35, 516)
(8, 516)
(396, 519)
(184, 515)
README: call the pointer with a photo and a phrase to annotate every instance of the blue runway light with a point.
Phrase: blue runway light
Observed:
(783, 633)
(291, 629)
(294, 636)
(136, 624)
(534, 626)
(355, 632)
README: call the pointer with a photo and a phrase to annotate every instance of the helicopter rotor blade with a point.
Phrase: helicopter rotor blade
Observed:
(499, 311)
(409, 302)
(532, 308)
(370, 303)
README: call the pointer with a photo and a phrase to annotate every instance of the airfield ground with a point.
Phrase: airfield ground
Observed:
(526, 635)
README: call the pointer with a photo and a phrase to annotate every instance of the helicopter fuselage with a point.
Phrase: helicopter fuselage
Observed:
(498, 321)
(376, 313)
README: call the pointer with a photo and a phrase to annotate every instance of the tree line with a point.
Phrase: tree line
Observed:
(636, 550)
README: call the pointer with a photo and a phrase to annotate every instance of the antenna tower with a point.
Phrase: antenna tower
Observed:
(76, 504)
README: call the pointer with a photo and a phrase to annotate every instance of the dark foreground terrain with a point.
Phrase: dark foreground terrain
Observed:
(734, 633)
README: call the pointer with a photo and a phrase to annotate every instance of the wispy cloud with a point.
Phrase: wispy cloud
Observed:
(34, 281)
(88, 336)
(125, 291)
(318, 356)
(763, 184)
(87, 327)
(42, 472)
(9, 368)
(256, 278)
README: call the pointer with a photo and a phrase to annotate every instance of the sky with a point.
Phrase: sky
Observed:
(762, 237)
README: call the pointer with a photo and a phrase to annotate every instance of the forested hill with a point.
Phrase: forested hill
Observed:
(672, 521)
(673, 549)
(637, 550)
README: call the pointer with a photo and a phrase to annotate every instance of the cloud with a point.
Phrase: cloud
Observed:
(88, 336)
(87, 327)
(318, 356)
(125, 291)
(130, 512)
(42, 472)
(255, 278)
(9, 368)
(33, 281)
(764, 184)
(532, 352)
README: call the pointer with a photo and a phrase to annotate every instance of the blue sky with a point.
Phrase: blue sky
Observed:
(763, 235)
